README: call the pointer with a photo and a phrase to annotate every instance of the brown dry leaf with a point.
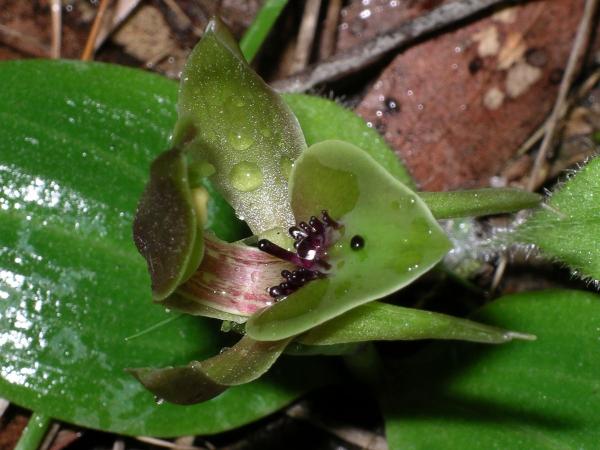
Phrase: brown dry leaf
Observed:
(455, 108)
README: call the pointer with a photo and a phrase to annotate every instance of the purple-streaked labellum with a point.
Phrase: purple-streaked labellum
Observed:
(234, 278)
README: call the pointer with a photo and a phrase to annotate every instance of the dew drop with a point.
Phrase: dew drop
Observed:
(240, 141)
(206, 169)
(246, 176)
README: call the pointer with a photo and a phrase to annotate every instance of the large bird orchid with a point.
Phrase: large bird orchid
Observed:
(333, 230)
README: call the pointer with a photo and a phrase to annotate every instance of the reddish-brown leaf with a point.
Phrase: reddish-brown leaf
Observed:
(455, 108)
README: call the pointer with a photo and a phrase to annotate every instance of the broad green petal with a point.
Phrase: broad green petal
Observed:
(240, 129)
(401, 238)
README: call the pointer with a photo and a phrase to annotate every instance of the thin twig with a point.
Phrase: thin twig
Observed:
(583, 90)
(575, 59)
(50, 436)
(329, 33)
(550, 128)
(56, 16)
(183, 20)
(90, 45)
(306, 35)
(167, 444)
(499, 272)
(349, 61)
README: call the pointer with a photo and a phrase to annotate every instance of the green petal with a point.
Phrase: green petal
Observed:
(201, 381)
(240, 129)
(166, 230)
(377, 321)
(402, 239)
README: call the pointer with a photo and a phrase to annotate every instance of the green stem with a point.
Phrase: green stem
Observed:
(34, 433)
(479, 202)
(261, 26)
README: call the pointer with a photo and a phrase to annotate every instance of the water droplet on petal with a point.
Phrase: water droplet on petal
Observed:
(240, 141)
(246, 176)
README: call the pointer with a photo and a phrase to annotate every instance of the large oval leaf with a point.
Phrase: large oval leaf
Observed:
(76, 142)
(522, 395)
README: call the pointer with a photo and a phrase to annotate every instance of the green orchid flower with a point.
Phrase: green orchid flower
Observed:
(333, 230)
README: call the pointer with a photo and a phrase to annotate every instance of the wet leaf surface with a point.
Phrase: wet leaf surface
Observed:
(522, 395)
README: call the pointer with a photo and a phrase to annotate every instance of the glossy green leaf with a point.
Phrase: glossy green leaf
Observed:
(522, 395)
(200, 381)
(76, 143)
(478, 202)
(239, 129)
(569, 230)
(322, 120)
(378, 321)
(402, 240)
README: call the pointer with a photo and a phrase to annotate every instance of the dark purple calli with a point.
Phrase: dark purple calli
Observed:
(312, 239)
